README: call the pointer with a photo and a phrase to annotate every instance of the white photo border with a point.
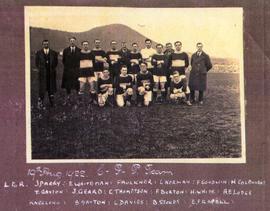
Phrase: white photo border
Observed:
(29, 158)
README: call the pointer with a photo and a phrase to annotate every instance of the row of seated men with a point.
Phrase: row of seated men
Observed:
(122, 88)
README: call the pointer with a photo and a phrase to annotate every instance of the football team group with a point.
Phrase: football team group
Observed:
(124, 77)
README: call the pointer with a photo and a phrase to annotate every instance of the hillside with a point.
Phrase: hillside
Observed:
(59, 39)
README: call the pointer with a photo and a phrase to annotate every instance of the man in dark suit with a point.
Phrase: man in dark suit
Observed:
(124, 52)
(200, 65)
(71, 62)
(46, 63)
(169, 49)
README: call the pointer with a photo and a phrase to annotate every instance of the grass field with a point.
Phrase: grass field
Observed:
(84, 131)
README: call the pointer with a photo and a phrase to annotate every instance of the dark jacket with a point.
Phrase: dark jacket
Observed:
(124, 56)
(71, 62)
(200, 65)
(114, 66)
(44, 84)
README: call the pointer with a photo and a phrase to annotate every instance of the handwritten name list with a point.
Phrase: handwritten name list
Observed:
(133, 185)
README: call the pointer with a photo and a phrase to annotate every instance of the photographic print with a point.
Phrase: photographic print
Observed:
(110, 84)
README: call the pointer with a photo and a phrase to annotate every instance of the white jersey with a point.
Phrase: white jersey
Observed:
(147, 54)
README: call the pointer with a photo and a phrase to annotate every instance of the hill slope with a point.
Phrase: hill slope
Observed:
(59, 39)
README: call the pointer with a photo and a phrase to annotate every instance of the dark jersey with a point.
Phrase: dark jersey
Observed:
(178, 62)
(182, 84)
(98, 66)
(101, 85)
(167, 54)
(122, 83)
(86, 64)
(124, 56)
(114, 60)
(159, 69)
(145, 80)
(133, 67)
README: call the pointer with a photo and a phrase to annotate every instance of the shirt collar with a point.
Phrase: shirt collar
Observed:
(143, 72)
(199, 53)
(83, 51)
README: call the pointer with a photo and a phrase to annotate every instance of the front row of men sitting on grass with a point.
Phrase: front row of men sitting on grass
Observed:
(121, 90)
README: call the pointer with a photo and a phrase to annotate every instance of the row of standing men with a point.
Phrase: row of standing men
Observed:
(122, 69)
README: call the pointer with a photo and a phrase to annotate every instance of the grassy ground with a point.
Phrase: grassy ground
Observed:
(81, 130)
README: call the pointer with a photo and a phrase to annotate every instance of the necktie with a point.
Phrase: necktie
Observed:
(46, 53)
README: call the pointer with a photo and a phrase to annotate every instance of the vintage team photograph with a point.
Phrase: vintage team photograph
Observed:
(110, 84)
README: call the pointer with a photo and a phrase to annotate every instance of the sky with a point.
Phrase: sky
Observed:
(219, 29)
